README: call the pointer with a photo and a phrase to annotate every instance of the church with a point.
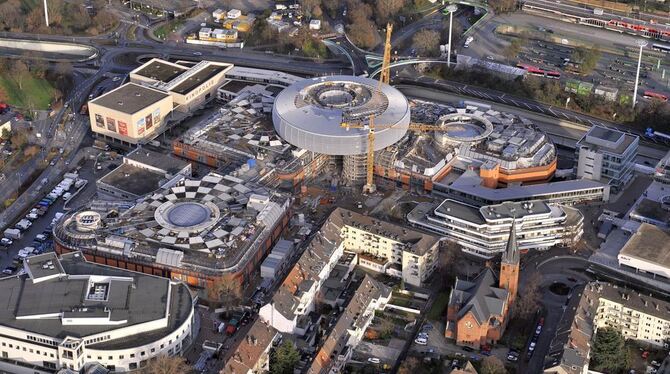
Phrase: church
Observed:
(478, 309)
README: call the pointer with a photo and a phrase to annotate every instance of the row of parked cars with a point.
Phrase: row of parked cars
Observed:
(41, 241)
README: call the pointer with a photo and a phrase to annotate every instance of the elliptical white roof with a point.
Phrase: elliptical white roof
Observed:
(309, 114)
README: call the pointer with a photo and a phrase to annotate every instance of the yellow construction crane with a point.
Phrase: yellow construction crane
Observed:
(384, 78)
(370, 126)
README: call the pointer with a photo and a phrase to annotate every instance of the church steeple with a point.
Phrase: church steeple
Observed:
(511, 254)
(509, 264)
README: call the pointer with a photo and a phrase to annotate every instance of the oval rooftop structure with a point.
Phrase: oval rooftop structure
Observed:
(309, 114)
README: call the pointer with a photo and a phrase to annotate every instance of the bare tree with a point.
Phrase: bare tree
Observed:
(427, 42)
(387, 9)
(448, 260)
(503, 6)
(225, 291)
(362, 33)
(409, 366)
(492, 365)
(18, 69)
(308, 6)
(166, 365)
(529, 300)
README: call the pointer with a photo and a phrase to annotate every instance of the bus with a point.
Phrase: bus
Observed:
(654, 95)
(660, 48)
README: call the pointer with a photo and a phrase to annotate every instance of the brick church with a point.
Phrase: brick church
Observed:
(478, 309)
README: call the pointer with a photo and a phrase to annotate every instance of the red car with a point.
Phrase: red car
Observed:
(541, 322)
(645, 354)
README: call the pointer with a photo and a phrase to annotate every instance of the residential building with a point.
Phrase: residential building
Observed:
(597, 305)
(253, 353)
(6, 120)
(67, 312)
(637, 316)
(338, 346)
(606, 155)
(379, 245)
(484, 231)
(478, 309)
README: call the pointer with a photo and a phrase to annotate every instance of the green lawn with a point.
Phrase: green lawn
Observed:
(436, 311)
(168, 27)
(36, 93)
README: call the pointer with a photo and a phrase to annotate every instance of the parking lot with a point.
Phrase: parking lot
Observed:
(42, 224)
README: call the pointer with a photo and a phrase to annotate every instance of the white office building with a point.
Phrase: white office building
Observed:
(606, 155)
(484, 231)
(68, 312)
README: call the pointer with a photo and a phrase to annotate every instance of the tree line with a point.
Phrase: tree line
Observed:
(65, 18)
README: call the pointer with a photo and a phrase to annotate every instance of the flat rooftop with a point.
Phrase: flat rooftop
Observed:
(461, 210)
(469, 184)
(610, 140)
(158, 160)
(653, 210)
(127, 297)
(650, 244)
(160, 70)
(136, 180)
(130, 98)
(236, 86)
(200, 77)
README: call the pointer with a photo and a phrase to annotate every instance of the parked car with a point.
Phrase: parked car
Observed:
(421, 341)
(538, 329)
(373, 360)
(6, 242)
(513, 356)
(9, 270)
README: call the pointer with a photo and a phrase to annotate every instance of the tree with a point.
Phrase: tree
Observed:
(427, 42)
(308, 6)
(492, 365)
(362, 33)
(225, 291)
(513, 49)
(18, 69)
(587, 58)
(6, 134)
(449, 256)
(528, 301)
(409, 366)
(358, 10)
(387, 9)
(284, 358)
(503, 6)
(608, 353)
(166, 365)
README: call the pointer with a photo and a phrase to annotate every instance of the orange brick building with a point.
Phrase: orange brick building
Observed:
(478, 309)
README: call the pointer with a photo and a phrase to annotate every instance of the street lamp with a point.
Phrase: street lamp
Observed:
(641, 43)
(46, 13)
(451, 9)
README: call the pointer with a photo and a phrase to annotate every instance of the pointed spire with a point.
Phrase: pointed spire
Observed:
(511, 254)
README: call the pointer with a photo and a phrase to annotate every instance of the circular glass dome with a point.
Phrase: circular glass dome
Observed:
(188, 214)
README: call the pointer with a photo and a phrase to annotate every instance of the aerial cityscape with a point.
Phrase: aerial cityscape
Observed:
(335, 186)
